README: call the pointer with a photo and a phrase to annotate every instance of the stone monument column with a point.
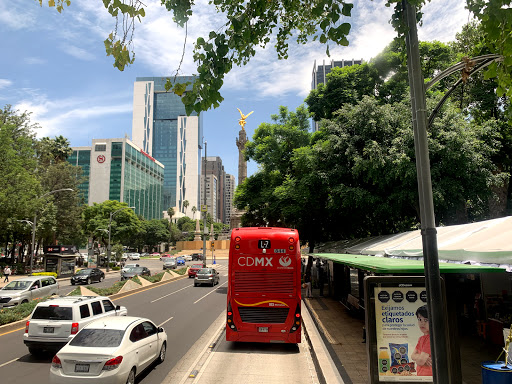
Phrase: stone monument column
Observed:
(242, 164)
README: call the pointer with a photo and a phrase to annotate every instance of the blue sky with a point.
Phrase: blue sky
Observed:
(54, 65)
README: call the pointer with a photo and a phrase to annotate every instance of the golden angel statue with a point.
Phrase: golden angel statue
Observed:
(242, 120)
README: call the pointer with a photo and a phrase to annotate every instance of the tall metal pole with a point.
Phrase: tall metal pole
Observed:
(435, 299)
(205, 229)
(33, 243)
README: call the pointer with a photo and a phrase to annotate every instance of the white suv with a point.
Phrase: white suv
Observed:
(54, 322)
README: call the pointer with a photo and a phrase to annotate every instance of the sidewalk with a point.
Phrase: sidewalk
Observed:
(343, 335)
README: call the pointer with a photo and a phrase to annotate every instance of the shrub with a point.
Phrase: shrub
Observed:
(45, 274)
(19, 312)
(155, 278)
(108, 291)
(116, 268)
(180, 271)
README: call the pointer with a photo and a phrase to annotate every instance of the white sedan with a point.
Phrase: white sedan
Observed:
(187, 257)
(113, 350)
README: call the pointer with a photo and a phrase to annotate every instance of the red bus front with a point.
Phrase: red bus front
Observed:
(264, 293)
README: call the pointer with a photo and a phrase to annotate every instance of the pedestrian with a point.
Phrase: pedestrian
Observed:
(307, 281)
(7, 272)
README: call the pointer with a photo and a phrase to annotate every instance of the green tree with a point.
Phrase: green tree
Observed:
(185, 205)
(125, 224)
(18, 167)
(194, 210)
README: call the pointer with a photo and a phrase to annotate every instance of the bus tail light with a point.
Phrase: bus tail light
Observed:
(296, 319)
(230, 322)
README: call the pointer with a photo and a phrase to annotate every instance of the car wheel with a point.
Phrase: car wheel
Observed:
(72, 283)
(35, 351)
(161, 357)
(88, 282)
(131, 377)
(195, 284)
(213, 283)
(101, 278)
(24, 301)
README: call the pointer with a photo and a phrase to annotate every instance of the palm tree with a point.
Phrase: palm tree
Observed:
(194, 210)
(185, 205)
(171, 213)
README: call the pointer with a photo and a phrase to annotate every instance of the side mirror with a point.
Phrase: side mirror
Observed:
(160, 330)
(118, 307)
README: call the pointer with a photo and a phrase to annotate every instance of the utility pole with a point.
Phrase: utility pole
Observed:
(435, 297)
(205, 231)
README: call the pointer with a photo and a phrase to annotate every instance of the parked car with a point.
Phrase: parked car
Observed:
(134, 256)
(206, 276)
(130, 265)
(87, 276)
(180, 261)
(187, 257)
(193, 270)
(113, 351)
(135, 271)
(54, 322)
(197, 256)
(27, 288)
(165, 257)
(144, 254)
(170, 263)
(155, 254)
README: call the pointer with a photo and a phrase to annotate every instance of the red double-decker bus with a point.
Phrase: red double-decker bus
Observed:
(264, 297)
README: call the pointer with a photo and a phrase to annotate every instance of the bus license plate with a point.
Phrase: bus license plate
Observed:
(48, 330)
(81, 367)
(262, 329)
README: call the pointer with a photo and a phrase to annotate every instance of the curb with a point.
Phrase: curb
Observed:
(330, 369)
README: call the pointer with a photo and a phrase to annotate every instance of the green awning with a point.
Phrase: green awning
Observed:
(394, 265)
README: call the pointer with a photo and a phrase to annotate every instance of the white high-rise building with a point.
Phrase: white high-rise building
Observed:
(163, 130)
(229, 195)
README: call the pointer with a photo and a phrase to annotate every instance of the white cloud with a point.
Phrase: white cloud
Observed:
(78, 53)
(34, 61)
(4, 83)
(16, 16)
(60, 117)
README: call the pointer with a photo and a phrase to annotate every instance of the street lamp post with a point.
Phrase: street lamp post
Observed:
(34, 226)
(112, 214)
(205, 229)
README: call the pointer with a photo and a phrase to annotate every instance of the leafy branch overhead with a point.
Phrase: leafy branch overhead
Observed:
(254, 23)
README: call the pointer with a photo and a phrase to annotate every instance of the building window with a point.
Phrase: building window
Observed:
(100, 147)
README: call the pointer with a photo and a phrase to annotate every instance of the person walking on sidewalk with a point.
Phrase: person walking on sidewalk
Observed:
(7, 272)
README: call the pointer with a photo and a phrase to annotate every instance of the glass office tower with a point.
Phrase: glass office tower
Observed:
(164, 131)
(116, 169)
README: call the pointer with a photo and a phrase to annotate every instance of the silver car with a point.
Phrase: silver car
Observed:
(26, 289)
(206, 276)
(169, 264)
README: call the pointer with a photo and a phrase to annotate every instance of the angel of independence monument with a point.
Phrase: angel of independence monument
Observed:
(236, 215)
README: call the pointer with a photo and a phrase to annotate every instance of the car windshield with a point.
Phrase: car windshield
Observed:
(134, 270)
(98, 338)
(204, 271)
(17, 285)
(53, 313)
(84, 272)
(169, 261)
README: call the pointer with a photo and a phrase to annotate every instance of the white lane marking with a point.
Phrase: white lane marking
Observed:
(213, 290)
(169, 319)
(172, 293)
(9, 362)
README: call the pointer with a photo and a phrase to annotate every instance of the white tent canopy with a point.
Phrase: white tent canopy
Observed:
(485, 242)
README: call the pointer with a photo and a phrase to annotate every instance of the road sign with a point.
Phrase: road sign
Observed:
(204, 208)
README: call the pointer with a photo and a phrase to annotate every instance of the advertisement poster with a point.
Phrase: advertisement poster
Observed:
(402, 333)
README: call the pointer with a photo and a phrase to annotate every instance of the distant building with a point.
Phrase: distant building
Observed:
(320, 73)
(211, 195)
(163, 130)
(116, 169)
(214, 167)
(229, 195)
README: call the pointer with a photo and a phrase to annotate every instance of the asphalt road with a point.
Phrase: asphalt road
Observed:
(185, 312)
